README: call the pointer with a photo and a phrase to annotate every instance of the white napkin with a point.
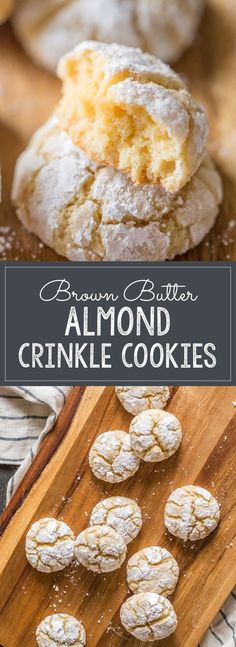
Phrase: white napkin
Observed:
(26, 416)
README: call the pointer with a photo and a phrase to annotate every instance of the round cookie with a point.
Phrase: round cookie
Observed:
(152, 569)
(80, 209)
(128, 110)
(50, 28)
(139, 398)
(155, 435)
(191, 512)
(148, 616)
(60, 630)
(100, 549)
(6, 8)
(121, 513)
(49, 545)
(112, 458)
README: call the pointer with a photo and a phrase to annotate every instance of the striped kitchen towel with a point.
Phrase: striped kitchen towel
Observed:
(26, 415)
(223, 629)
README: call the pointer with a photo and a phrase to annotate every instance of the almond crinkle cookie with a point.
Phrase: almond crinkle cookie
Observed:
(87, 212)
(139, 398)
(6, 7)
(128, 110)
(60, 630)
(155, 435)
(152, 569)
(49, 545)
(100, 549)
(112, 458)
(50, 28)
(148, 616)
(192, 513)
(121, 513)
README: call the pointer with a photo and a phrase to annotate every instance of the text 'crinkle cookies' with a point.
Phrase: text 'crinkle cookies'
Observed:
(112, 458)
(6, 7)
(50, 28)
(155, 435)
(148, 616)
(87, 212)
(49, 545)
(192, 513)
(60, 630)
(152, 569)
(139, 398)
(128, 110)
(121, 513)
(100, 549)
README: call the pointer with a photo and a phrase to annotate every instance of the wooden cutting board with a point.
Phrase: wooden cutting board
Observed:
(66, 489)
(28, 95)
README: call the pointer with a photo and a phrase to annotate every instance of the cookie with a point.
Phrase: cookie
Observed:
(121, 513)
(49, 545)
(152, 569)
(128, 110)
(112, 458)
(50, 28)
(191, 512)
(140, 398)
(155, 435)
(60, 630)
(100, 549)
(87, 212)
(148, 616)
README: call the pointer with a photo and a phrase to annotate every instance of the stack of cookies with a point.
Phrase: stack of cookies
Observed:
(120, 172)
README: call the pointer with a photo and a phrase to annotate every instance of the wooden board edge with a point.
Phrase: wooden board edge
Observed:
(47, 450)
(24, 514)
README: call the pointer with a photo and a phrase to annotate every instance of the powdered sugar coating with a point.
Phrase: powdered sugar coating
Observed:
(191, 512)
(49, 545)
(50, 28)
(148, 616)
(152, 569)
(140, 398)
(112, 458)
(155, 435)
(100, 549)
(156, 119)
(90, 213)
(121, 513)
(60, 630)
(120, 59)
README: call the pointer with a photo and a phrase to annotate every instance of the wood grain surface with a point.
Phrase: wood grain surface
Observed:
(66, 489)
(28, 95)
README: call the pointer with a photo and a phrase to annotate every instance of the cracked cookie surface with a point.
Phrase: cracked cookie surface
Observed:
(86, 212)
(139, 398)
(49, 545)
(50, 28)
(155, 435)
(152, 569)
(112, 458)
(148, 616)
(100, 549)
(128, 110)
(60, 630)
(121, 513)
(191, 512)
